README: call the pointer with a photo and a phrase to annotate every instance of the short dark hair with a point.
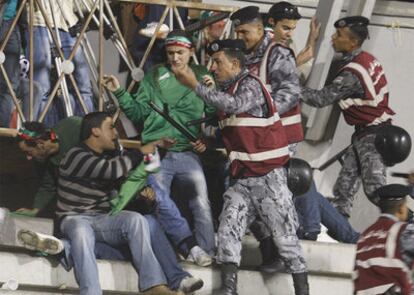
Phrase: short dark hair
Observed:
(237, 54)
(360, 33)
(39, 130)
(90, 121)
(390, 206)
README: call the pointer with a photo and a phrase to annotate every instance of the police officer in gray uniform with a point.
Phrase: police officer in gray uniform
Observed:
(257, 147)
(360, 89)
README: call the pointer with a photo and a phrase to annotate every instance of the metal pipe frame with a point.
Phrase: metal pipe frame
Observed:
(118, 40)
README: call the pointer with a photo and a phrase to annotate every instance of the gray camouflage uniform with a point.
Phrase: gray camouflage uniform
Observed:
(362, 162)
(266, 196)
(285, 91)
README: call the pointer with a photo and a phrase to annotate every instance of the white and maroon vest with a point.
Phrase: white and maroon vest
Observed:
(255, 146)
(379, 264)
(292, 119)
(372, 109)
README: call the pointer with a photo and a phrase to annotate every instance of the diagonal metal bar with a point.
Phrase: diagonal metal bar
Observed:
(13, 25)
(78, 94)
(118, 31)
(70, 58)
(51, 97)
(83, 31)
(151, 44)
(13, 94)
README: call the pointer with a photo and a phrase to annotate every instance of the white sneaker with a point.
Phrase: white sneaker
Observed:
(199, 257)
(149, 30)
(190, 284)
(40, 242)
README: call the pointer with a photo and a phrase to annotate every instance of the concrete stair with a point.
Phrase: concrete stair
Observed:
(330, 267)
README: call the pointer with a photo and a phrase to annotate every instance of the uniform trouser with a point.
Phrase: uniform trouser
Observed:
(269, 198)
(361, 164)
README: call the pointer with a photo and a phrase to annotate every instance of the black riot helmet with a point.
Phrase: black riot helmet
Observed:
(393, 143)
(299, 178)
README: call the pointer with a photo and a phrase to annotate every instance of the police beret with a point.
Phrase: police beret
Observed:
(392, 192)
(229, 44)
(284, 10)
(351, 21)
(245, 15)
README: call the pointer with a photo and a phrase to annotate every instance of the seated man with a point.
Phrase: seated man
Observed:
(38, 142)
(180, 164)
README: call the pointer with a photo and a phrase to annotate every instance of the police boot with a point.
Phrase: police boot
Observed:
(228, 279)
(300, 282)
(271, 261)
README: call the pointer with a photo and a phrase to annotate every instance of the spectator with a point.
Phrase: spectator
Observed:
(160, 87)
(44, 53)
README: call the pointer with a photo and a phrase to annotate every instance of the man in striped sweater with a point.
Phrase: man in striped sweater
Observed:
(86, 180)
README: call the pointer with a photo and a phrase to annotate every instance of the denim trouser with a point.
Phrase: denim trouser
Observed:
(184, 168)
(42, 59)
(314, 209)
(125, 228)
(12, 68)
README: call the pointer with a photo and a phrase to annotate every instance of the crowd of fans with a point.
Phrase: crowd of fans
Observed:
(179, 192)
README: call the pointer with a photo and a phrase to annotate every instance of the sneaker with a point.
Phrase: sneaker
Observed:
(149, 30)
(199, 257)
(40, 242)
(161, 290)
(190, 284)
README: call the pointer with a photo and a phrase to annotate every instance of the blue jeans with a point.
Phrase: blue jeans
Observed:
(314, 209)
(125, 228)
(12, 68)
(42, 59)
(160, 245)
(184, 168)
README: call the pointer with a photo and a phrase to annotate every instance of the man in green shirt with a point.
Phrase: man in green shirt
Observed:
(180, 163)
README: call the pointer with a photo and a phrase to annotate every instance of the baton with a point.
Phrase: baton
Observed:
(335, 158)
(201, 24)
(170, 120)
(400, 175)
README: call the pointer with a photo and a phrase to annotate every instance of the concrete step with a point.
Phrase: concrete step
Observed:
(41, 275)
(330, 266)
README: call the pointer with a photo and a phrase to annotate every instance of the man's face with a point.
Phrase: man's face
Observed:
(38, 152)
(224, 68)
(178, 56)
(250, 33)
(283, 30)
(107, 135)
(342, 40)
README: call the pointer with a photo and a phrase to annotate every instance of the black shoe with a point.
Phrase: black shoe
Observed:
(300, 282)
(228, 279)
